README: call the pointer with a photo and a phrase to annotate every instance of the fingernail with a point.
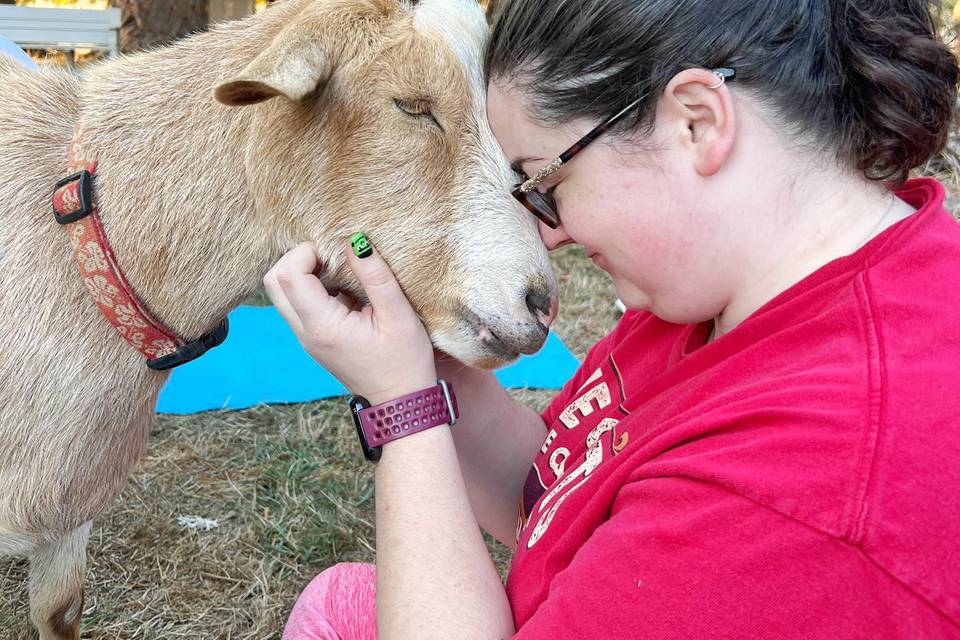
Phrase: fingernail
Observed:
(361, 246)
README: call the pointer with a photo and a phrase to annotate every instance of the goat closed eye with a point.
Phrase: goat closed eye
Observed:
(416, 107)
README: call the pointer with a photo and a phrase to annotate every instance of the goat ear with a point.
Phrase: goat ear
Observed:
(294, 65)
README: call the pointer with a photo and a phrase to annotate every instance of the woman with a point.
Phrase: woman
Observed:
(767, 445)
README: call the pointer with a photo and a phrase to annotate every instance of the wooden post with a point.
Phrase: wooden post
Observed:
(148, 23)
(230, 9)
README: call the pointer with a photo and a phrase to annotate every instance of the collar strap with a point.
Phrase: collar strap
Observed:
(75, 207)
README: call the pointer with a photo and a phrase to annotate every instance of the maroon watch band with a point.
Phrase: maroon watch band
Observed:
(403, 416)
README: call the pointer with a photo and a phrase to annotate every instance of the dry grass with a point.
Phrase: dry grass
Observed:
(291, 496)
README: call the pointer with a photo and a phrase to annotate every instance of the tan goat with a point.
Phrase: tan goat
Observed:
(377, 124)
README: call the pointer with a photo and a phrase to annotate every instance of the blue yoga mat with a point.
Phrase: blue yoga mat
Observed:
(262, 362)
(8, 47)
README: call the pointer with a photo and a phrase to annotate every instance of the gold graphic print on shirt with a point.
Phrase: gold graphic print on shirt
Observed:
(602, 442)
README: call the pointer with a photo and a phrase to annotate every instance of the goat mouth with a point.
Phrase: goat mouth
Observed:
(487, 337)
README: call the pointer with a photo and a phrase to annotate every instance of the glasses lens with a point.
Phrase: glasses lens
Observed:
(539, 204)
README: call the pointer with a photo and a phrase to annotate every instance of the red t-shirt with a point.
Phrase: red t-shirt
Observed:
(797, 478)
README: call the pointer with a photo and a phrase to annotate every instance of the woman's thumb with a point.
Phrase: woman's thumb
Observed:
(374, 274)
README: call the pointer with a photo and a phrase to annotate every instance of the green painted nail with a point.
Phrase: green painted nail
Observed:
(361, 246)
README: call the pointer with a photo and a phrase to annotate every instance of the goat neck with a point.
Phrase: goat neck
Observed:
(171, 183)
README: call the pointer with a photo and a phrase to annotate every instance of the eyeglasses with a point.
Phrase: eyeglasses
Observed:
(543, 205)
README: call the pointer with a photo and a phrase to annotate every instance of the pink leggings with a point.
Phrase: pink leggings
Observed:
(339, 604)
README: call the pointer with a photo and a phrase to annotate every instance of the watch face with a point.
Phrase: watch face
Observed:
(358, 404)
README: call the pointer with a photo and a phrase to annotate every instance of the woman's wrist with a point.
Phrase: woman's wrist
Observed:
(412, 385)
(429, 546)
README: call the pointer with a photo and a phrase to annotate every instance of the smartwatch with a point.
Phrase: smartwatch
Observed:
(415, 412)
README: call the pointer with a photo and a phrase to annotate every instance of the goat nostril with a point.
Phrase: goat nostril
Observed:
(538, 301)
(541, 305)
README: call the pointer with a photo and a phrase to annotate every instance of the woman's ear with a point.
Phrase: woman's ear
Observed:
(704, 117)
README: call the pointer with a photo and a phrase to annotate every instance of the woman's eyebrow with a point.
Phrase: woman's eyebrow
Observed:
(517, 165)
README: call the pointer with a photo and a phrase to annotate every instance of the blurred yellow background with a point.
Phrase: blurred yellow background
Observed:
(952, 6)
(92, 4)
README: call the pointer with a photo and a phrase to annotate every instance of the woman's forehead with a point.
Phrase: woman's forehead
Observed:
(506, 113)
(521, 137)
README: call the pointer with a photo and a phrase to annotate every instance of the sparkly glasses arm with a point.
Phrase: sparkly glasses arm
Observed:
(535, 181)
(565, 157)
(723, 73)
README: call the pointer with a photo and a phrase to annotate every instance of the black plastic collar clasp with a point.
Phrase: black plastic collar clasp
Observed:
(84, 191)
(191, 350)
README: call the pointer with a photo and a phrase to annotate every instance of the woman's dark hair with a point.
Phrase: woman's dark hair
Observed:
(868, 79)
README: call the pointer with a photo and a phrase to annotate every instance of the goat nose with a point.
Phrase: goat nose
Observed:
(543, 306)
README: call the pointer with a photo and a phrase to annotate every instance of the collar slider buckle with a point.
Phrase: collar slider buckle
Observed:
(64, 196)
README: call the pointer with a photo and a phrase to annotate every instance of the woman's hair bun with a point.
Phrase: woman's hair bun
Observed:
(898, 84)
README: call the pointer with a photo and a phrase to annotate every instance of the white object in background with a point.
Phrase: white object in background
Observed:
(10, 48)
(622, 308)
(62, 29)
(197, 523)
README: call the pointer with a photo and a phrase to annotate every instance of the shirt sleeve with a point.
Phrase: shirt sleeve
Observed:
(680, 559)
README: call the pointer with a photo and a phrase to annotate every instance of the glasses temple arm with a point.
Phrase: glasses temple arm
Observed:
(598, 131)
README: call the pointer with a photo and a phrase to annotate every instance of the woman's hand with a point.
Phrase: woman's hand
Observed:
(380, 351)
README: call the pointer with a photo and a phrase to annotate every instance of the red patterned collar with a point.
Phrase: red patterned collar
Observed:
(75, 207)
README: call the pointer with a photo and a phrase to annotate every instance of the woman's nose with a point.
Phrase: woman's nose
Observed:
(554, 238)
